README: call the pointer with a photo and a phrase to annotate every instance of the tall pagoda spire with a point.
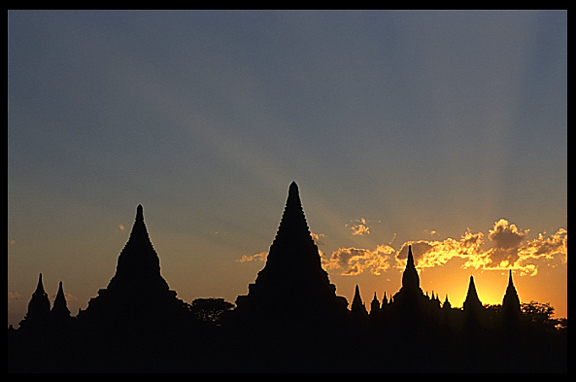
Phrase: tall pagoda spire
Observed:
(410, 297)
(293, 233)
(293, 246)
(292, 280)
(138, 260)
(410, 278)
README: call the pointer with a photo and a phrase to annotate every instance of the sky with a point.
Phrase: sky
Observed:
(444, 130)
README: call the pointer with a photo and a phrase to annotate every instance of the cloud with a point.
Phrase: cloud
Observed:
(359, 227)
(259, 256)
(317, 238)
(506, 235)
(509, 250)
(505, 247)
(13, 295)
(353, 261)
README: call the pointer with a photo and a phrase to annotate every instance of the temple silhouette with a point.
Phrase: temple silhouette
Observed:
(137, 295)
(293, 289)
(291, 320)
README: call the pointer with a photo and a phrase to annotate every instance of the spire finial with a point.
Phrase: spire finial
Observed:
(293, 188)
(139, 212)
(40, 286)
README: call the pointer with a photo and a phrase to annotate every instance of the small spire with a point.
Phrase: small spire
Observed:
(40, 286)
(511, 301)
(357, 293)
(446, 304)
(472, 300)
(60, 308)
(357, 304)
(374, 305)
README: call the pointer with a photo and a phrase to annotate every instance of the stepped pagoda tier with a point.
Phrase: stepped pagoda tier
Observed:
(292, 284)
(137, 292)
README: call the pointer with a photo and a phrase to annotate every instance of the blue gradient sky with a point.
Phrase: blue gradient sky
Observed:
(424, 124)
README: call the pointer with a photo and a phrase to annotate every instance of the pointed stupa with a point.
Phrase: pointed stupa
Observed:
(292, 281)
(138, 261)
(385, 300)
(472, 302)
(60, 309)
(446, 304)
(357, 303)
(293, 236)
(410, 296)
(374, 305)
(511, 301)
(410, 278)
(137, 290)
(38, 307)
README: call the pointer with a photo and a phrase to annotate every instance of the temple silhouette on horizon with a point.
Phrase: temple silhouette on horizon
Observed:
(292, 287)
(137, 294)
(290, 320)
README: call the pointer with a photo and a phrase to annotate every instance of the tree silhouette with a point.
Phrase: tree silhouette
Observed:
(210, 309)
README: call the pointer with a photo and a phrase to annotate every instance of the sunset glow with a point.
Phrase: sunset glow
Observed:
(443, 130)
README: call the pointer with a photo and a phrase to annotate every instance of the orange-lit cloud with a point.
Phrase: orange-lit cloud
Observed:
(509, 249)
(317, 238)
(13, 296)
(259, 256)
(359, 227)
(354, 261)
